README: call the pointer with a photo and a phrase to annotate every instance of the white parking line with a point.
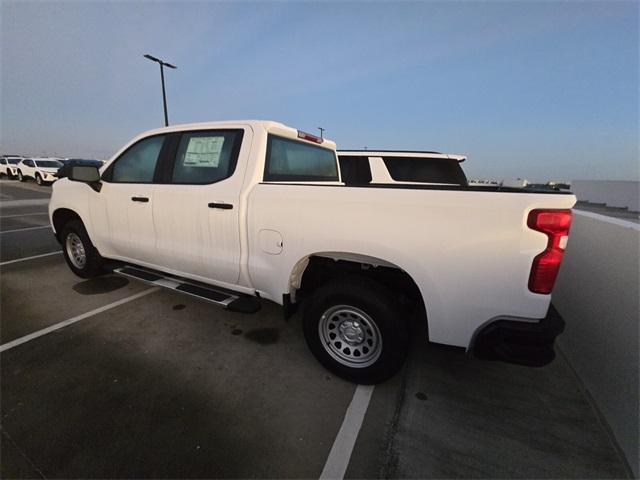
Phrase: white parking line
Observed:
(19, 341)
(23, 229)
(24, 259)
(338, 460)
(604, 218)
(24, 215)
(29, 202)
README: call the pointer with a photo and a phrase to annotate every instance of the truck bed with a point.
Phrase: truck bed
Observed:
(468, 250)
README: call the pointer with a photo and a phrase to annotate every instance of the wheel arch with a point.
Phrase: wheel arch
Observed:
(62, 216)
(315, 270)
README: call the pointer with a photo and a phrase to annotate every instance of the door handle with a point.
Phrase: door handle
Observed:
(223, 206)
(140, 199)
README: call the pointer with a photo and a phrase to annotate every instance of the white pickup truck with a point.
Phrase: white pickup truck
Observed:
(232, 211)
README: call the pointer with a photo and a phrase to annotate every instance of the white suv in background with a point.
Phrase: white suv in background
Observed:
(9, 165)
(42, 170)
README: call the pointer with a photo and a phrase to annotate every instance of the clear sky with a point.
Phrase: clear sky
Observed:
(526, 89)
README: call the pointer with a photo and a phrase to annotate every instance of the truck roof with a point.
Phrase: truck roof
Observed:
(403, 153)
(268, 125)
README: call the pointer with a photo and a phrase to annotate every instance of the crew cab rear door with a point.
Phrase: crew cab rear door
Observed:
(196, 205)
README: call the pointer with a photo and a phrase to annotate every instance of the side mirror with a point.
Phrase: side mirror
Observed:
(84, 173)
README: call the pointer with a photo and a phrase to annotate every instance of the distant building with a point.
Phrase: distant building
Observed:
(613, 193)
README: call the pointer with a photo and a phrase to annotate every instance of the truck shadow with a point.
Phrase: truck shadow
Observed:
(96, 286)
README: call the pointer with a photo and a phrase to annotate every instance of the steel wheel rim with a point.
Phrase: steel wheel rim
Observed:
(75, 251)
(350, 336)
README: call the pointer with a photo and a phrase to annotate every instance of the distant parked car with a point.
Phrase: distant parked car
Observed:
(42, 170)
(72, 162)
(9, 165)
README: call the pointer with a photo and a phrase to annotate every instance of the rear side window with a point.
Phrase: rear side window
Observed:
(3, 161)
(207, 156)
(355, 170)
(138, 163)
(291, 161)
(425, 170)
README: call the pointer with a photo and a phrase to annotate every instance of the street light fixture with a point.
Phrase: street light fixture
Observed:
(164, 95)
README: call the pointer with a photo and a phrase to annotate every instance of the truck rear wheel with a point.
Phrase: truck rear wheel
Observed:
(354, 328)
(81, 256)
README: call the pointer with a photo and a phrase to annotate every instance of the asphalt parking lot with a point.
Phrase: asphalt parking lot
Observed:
(148, 383)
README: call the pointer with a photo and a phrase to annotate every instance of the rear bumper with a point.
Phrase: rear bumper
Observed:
(522, 343)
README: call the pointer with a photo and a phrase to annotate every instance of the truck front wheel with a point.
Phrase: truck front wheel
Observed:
(354, 328)
(80, 254)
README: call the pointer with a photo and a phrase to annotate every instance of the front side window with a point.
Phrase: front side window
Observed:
(206, 157)
(138, 163)
(292, 161)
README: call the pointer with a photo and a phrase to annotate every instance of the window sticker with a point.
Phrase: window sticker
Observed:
(203, 152)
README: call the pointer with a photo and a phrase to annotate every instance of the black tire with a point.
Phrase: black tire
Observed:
(94, 263)
(363, 296)
(39, 180)
(21, 177)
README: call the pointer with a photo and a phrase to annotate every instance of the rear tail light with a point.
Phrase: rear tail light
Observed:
(555, 225)
(309, 137)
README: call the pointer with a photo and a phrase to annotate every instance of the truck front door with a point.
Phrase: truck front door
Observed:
(126, 200)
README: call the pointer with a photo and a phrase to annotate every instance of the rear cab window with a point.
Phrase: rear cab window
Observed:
(289, 160)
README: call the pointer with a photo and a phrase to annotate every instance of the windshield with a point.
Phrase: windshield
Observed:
(48, 164)
(13, 161)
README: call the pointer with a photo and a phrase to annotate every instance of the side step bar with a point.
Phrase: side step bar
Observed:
(231, 301)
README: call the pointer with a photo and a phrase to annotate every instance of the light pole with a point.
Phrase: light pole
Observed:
(164, 95)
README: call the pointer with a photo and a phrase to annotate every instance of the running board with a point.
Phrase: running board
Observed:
(239, 303)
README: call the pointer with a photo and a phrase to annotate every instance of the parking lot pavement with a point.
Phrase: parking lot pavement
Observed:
(460, 417)
(43, 291)
(24, 222)
(168, 386)
(155, 390)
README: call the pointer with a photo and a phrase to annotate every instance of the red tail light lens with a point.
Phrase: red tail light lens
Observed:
(555, 225)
